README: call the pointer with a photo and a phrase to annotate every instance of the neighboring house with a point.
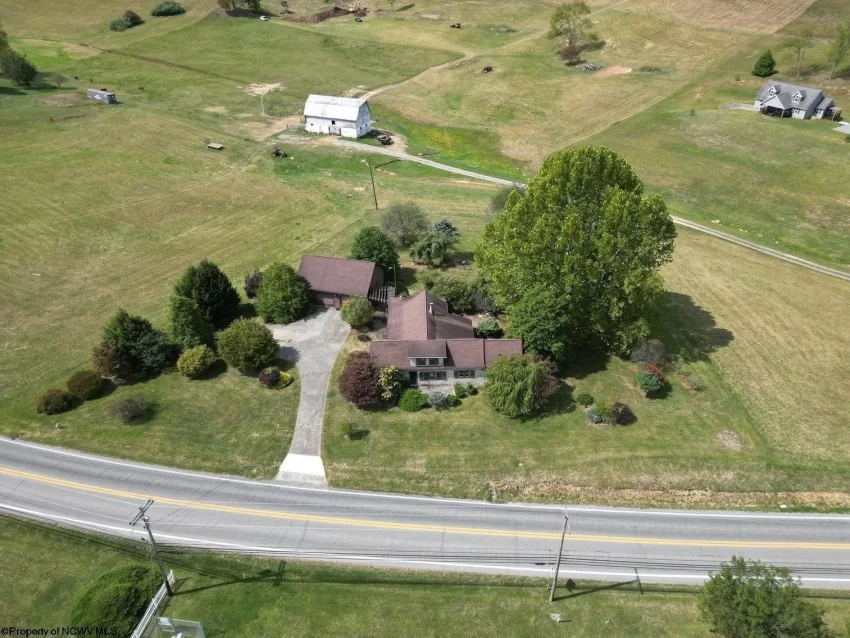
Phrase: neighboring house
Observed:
(334, 279)
(792, 100)
(101, 95)
(434, 346)
(345, 116)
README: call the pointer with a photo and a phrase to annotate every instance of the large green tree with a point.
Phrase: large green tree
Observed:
(17, 68)
(211, 290)
(839, 48)
(404, 222)
(373, 244)
(539, 318)
(518, 384)
(571, 22)
(750, 599)
(583, 229)
(283, 296)
(142, 350)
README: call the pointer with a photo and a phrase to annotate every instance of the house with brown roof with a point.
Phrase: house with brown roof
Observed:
(434, 346)
(334, 279)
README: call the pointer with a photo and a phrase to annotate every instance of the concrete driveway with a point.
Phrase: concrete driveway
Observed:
(313, 344)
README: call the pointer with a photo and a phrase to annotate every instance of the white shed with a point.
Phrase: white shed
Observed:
(345, 116)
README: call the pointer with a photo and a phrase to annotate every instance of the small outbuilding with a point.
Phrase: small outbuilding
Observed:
(334, 279)
(101, 95)
(343, 116)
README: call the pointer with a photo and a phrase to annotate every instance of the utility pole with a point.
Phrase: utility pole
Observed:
(142, 516)
(372, 177)
(558, 562)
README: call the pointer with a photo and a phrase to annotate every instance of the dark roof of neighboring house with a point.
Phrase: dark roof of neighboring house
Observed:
(459, 353)
(336, 275)
(809, 94)
(424, 316)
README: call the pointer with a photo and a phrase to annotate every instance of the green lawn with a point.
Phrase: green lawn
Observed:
(251, 597)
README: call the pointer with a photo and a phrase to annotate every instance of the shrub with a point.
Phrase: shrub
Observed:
(187, 325)
(518, 384)
(653, 369)
(749, 598)
(404, 222)
(55, 401)
(270, 376)
(604, 410)
(85, 384)
(463, 294)
(196, 362)
(357, 312)
(594, 417)
(452, 400)
(432, 249)
(621, 414)
(436, 399)
(285, 380)
(391, 381)
(246, 345)
(133, 18)
(252, 283)
(142, 350)
(358, 382)
(283, 295)
(648, 382)
(211, 289)
(117, 599)
(584, 399)
(648, 351)
(128, 20)
(447, 228)
(471, 390)
(168, 8)
(694, 382)
(461, 390)
(765, 66)
(373, 244)
(130, 409)
(108, 364)
(489, 329)
(412, 400)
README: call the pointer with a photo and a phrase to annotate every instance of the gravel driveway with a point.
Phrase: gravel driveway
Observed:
(313, 344)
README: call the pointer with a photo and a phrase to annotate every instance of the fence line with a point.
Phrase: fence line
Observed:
(150, 612)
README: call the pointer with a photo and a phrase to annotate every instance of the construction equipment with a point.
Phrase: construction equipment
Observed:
(456, 25)
(487, 69)
(278, 152)
(384, 139)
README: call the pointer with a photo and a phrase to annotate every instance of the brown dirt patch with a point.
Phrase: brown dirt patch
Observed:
(64, 100)
(610, 71)
(730, 440)
(216, 109)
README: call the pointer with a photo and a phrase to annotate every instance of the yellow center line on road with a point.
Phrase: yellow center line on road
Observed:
(410, 527)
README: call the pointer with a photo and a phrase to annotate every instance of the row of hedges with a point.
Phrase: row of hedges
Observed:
(132, 19)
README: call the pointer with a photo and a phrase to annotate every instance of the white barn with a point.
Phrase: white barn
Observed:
(345, 116)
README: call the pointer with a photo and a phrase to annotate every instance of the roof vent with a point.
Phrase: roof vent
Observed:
(431, 308)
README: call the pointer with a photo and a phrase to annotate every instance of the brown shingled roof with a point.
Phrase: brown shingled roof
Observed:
(336, 275)
(425, 316)
(462, 353)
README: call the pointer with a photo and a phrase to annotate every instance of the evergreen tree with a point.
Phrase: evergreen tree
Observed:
(765, 65)
(187, 325)
(211, 289)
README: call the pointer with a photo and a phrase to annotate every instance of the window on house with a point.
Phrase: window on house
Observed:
(464, 374)
(421, 362)
(432, 376)
(435, 362)
(333, 121)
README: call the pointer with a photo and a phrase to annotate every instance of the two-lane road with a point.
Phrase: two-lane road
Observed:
(263, 517)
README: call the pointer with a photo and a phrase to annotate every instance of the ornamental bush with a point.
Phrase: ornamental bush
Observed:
(436, 399)
(283, 295)
(55, 401)
(461, 390)
(391, 381)
(168, 8)
(285, 380)
(269, 377)
(518, 384)
(142, 350)
(128, 20)
(85, 384)
(765, 66)
(252, 283)
(187, 325)
(471, 390)
(432, 249)
(357, 312)
(605, 411)
(211, 289)
(648, 351)
(108, 364)
(584, 399)
(358, 382)
(412, 400)
(246, 345)
(647, 382)
(130, 410)
(593, 417)
(653, 369)
(196, 362)
(488, 329)
(117, 599)
(621, 414)
(452, 400)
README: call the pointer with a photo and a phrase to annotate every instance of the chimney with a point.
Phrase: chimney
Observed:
(431, 308)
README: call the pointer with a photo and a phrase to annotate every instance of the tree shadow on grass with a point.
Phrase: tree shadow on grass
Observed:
(587, 362)
(689, 332)
(10, 90)
(215, 370)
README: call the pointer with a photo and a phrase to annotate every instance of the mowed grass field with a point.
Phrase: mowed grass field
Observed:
(252, 597)
(776, 377)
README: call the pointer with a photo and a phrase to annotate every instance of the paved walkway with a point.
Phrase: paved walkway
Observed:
(313, 344)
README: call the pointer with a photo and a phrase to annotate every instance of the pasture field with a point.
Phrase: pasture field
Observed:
(253, 597)
(769, 349)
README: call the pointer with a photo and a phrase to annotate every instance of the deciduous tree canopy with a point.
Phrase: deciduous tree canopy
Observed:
(584, 231)
(373, 244)
(518, 384)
